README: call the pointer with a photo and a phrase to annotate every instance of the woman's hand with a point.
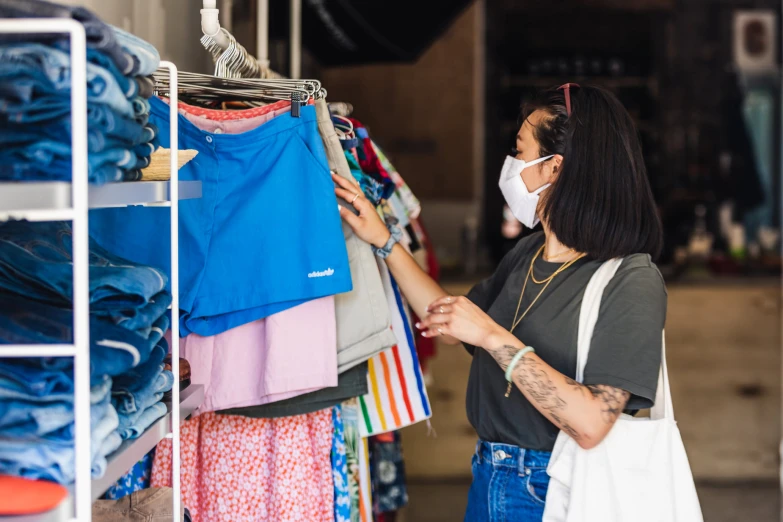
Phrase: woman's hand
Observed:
(368, 225)
(459, 318)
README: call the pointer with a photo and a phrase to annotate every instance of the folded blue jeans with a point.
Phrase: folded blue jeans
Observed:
(34, 69)
(147, 418)
(141, 376)
(144, 53)
(48, 460)
(36, 261)
(130, 403)
(509, 483)
(45, 152)
(99, 34)
(53, 419)
(113, 349)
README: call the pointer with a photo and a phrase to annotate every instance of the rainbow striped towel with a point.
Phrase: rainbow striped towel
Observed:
(397, 396)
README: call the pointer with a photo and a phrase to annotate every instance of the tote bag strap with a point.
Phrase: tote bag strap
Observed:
(663, 408)
(588, 316)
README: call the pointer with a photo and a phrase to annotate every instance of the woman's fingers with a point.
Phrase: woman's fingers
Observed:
(352, 219)
(436, 331)
(443, 301)
(345, 183)
(346, 194)
(433, 319)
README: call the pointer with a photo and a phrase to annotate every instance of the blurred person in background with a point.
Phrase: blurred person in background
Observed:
(578, 168)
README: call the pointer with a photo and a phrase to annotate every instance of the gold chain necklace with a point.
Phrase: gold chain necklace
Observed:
(516, 321)
(547, 257)
(562, 268)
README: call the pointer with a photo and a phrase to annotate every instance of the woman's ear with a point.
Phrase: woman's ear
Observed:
(555, 164)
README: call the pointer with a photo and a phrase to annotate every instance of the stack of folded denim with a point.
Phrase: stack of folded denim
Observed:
(35, 107)
(37, 422)
(138, 393)
(128, 317)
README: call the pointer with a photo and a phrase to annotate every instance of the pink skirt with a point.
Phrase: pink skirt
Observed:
(238, 469)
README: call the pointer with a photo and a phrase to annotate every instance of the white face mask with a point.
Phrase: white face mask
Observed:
(522, 202)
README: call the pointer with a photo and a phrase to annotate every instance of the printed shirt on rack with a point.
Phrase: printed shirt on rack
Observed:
(397, 396)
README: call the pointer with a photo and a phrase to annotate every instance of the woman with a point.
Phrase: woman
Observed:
(579, 169)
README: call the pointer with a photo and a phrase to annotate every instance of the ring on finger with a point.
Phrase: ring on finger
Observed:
(439, 329)
(441, 310)
(355, 197)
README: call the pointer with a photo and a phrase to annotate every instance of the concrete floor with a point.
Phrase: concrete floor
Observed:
(760, 502)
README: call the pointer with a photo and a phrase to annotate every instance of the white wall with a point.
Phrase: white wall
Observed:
(172, 26)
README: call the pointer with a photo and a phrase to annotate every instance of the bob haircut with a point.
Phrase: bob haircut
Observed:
(601, 202)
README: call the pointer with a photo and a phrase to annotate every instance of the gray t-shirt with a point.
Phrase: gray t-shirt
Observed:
(625, 351)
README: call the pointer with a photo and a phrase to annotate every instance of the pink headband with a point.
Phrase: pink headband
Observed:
(567, 88)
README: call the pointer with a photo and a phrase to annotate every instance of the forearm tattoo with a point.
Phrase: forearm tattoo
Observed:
(531, 378)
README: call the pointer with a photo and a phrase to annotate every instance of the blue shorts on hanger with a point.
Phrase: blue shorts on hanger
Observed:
(264, 237)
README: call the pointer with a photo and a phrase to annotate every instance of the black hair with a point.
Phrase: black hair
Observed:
(601, 202)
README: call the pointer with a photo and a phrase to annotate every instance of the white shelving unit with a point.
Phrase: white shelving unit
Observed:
(42, 201)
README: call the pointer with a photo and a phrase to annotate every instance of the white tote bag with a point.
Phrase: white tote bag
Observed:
(639, 472)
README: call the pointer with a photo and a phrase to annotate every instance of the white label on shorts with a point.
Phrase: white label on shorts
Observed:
(326, 273)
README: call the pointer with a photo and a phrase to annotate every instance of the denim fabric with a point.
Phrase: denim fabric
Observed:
(145, 55)
(36, 262)
(127, 84)
(128, 403)
(141, 319)
(146, 86)
(129, 419)
(34, 111)
(34, 69)
(141, 110)
(113, 349)
(16, 134)
(58, 170)
(99, 35)
(50, 418)
(142, 376)
(147, 418)
(46, 153)
(100, 461)
(509, 484)
(20, 381)
(50, 460)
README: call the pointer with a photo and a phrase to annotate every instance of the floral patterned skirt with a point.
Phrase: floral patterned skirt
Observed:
(238, 469)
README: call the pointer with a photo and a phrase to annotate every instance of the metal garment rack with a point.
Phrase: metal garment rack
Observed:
(210, 26)
(71, 202)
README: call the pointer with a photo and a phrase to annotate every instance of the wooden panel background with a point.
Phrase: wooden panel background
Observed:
(422, 114)
(724, 353)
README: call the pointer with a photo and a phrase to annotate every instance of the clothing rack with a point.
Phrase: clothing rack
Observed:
(217, 40)
(70, 201)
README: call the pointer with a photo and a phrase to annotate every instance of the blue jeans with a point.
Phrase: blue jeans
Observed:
(36, 261)
(134, 402)
(99, 35)
(140, 377)
(48, 153)
(147, 418)
(33, 417)
(32, 69)
(143, 53)
(509, 484)
(54, 460)
(113, 349)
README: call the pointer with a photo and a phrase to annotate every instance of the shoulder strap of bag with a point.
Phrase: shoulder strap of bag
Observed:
(588, 316)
